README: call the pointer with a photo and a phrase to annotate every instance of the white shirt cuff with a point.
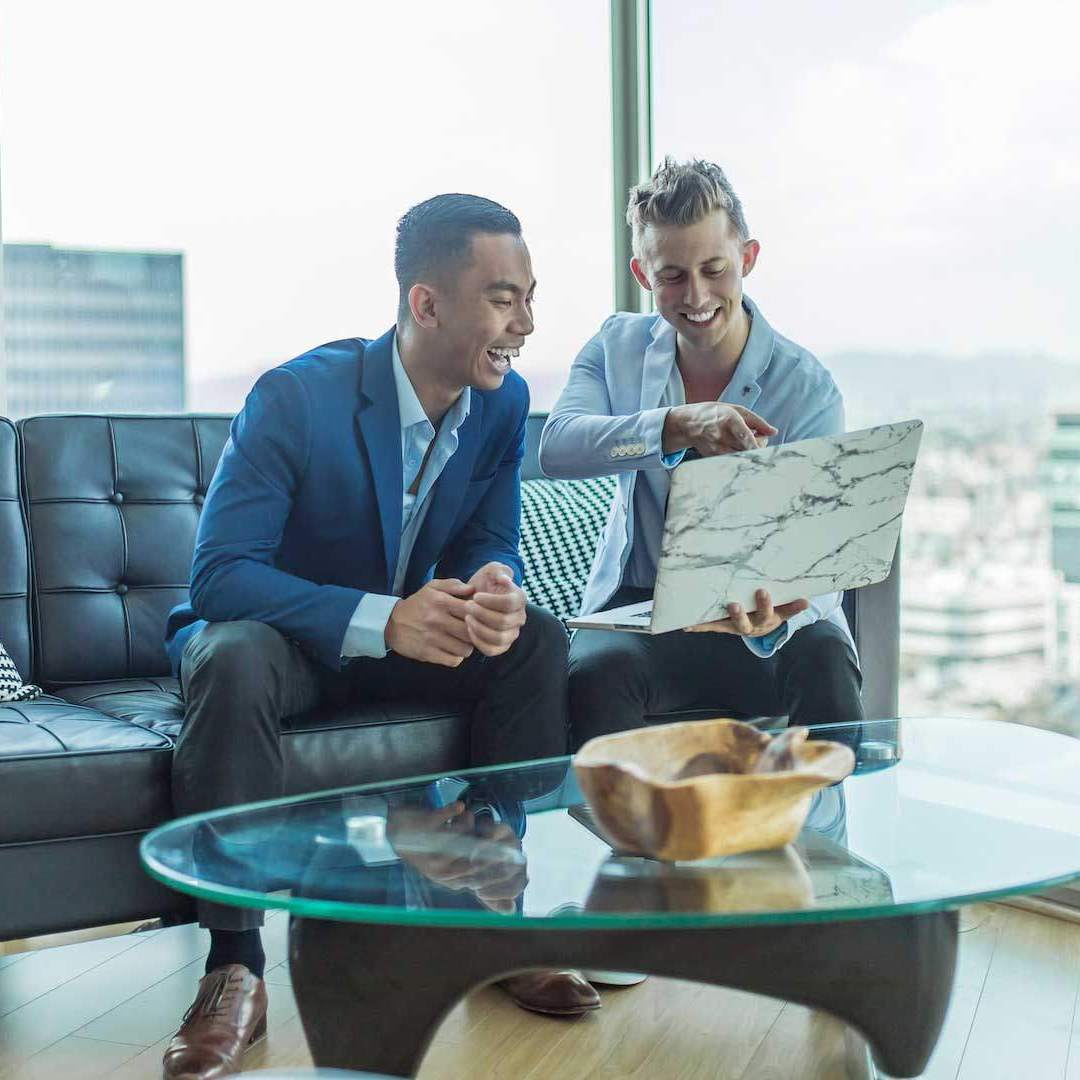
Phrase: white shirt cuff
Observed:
(366, 632)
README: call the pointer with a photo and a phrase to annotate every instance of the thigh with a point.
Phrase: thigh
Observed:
(677, 671)
(245, 661)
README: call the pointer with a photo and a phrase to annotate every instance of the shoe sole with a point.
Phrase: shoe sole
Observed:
(258, 1032)
(579, 1010)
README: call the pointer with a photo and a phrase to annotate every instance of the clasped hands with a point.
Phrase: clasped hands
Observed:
(443, 622)
(451, 848)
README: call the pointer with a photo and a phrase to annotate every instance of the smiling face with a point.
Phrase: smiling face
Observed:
(695, 273)
(484, 311)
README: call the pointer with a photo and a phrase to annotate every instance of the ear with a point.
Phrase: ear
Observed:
(422, 305)
(749, 256)
(639, 272)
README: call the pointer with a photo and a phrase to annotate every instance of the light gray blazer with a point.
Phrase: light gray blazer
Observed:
(609, 419)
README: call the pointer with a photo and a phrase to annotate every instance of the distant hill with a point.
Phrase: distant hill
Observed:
(880, 386)
(877, 386)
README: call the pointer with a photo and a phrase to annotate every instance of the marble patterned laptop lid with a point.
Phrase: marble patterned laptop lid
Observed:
(799, 519)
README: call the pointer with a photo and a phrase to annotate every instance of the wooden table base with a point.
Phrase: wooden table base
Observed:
(372, 997)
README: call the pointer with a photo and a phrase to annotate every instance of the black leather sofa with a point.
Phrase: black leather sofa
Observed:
(97, 526)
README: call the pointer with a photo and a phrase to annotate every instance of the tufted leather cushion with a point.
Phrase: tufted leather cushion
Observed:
(108, 748)
(71, 771)
(113, 505)
(14, 559)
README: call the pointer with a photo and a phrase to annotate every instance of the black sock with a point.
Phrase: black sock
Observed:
(237, 947)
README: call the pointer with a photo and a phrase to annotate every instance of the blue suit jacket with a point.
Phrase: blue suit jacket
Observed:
(304, 512)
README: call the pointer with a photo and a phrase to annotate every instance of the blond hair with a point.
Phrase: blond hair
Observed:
(683, 193)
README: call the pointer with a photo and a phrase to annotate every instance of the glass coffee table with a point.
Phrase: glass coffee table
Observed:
(405, 896)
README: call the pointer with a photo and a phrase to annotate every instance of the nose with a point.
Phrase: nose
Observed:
(523, 321)
(695, 293)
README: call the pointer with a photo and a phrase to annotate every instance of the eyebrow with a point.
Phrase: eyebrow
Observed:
(670, 266)
(508, 286)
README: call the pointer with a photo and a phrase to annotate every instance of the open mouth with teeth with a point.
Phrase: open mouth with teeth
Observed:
(702, 318)
(501, 358)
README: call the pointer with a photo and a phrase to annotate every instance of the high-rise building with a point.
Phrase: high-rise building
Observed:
(92, 331)
(1061, 482)
(1061, 474)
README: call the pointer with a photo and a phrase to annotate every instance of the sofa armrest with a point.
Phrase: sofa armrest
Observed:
(873, 614)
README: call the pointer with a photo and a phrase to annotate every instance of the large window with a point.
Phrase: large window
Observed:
(911, 173)
(192, 194)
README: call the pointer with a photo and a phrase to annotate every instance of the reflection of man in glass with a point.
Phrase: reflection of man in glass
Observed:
(447, 844)
(706, 376)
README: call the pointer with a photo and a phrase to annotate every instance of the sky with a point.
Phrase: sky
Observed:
(910, 168)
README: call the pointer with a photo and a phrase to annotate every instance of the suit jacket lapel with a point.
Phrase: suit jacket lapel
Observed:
(380, 429)
(656, 368)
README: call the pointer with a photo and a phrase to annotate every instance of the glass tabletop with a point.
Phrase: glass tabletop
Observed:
(938, 812)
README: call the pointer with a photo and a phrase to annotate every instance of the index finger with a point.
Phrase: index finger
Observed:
(507, 603)
(785, 611)
(757, 423)
(451, 586)
(741, 435)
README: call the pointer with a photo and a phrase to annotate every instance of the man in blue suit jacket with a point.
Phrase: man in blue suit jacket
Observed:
(360, 540)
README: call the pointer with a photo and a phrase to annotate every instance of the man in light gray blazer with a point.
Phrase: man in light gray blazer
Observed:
(707, 375)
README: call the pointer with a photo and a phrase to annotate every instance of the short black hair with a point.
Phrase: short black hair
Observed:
(437, 234)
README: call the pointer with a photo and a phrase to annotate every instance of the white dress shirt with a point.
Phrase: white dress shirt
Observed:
(366, 633)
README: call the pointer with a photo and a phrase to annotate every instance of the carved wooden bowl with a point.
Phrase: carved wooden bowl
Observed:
(705, 787)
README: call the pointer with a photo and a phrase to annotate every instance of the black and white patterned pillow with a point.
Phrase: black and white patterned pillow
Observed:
(561, 522)
(12, 687)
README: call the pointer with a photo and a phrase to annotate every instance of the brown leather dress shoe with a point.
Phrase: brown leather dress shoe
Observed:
(554, 993)
(226, 1017)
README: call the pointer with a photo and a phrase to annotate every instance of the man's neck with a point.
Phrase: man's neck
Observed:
(423, 368)
(717, 363)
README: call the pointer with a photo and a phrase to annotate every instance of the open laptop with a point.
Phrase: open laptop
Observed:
(798, 519)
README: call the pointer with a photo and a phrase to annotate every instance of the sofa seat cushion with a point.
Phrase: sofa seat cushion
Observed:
(70, 770)
(154, 704)
(115, 769)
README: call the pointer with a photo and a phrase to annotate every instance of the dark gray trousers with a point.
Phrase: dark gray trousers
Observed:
(240, 679)
(618, 679)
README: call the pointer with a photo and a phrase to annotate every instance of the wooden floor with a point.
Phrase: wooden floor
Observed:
(107, 1007)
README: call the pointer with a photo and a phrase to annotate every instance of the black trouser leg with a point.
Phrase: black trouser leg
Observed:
(239, 679)
(618, 679)
(518, 698)
(819, 681)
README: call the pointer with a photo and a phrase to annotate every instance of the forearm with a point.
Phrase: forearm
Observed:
(317, 616)
(577, 445)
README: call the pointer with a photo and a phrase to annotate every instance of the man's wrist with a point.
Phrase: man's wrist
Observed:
(672, 437)
(389, 628)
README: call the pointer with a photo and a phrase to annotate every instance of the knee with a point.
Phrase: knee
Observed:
(230, 657)
(824, 648)
(544, 639)
(601, 670)
(607, 684)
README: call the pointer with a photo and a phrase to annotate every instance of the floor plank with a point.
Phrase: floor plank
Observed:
(45, 970)
(977, 946)
(1024, 1018)
(812, 1040)
(108, 1009)
(61, 1012)
(87, 1059)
